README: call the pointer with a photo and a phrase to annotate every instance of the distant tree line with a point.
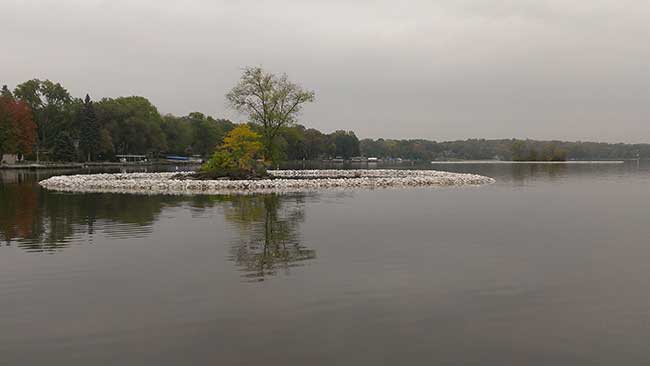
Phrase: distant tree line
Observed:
(41, 120)
(503, 149)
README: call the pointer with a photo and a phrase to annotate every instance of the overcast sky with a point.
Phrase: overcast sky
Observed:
(436, 69)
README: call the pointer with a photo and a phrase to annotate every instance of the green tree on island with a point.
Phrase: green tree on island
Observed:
(271, 102)
(236, 157)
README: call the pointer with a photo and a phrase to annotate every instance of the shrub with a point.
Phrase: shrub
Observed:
(237, 156)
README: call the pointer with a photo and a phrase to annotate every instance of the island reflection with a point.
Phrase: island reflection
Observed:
(266, 227)
(269, 236)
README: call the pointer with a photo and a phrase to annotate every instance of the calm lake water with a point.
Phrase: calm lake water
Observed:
(549, 266)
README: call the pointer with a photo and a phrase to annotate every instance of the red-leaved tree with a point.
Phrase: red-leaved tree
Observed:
(17, 127)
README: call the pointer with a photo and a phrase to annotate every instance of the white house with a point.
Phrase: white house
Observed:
(9, 159)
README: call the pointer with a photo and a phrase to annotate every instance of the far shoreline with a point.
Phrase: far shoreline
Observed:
(46, 166)
(531, 162)
(35, 166)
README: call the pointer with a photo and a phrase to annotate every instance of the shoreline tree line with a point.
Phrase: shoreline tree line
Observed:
(54, 126)
(502, 149)
(40, 120)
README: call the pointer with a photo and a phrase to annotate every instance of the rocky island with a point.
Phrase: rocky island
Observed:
(279, 181)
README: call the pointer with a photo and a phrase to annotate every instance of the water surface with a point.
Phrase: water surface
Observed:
(549, 266)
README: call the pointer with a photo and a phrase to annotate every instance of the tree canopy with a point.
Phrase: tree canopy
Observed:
(17, 128)
(90, 132)
(236, 157)
(35, 112)
(51, 106)
(270, 101)
(133, 123)
(64, 149)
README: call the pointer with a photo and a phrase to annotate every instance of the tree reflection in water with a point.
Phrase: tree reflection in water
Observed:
(39, 221)
(18, 213)
(266, 226)
(268, 234)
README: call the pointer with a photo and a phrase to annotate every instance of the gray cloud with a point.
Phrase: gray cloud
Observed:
(448, 69)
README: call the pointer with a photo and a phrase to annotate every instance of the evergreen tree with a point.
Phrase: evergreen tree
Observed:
(64, 149)
(5, 92)
(89, 134)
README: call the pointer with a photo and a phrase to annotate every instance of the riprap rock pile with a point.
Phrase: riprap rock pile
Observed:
(283, 181)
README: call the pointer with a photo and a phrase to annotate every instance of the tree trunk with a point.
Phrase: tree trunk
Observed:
(268, 148)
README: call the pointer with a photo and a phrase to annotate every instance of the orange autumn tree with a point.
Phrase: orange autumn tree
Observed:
(237, 156)
(17, 127)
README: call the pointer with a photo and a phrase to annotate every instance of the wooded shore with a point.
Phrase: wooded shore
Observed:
(48, 165)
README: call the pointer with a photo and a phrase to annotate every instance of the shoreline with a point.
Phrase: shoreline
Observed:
(568, 162)
(35, 166)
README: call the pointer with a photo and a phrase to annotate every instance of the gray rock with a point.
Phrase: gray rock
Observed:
(295, 181)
